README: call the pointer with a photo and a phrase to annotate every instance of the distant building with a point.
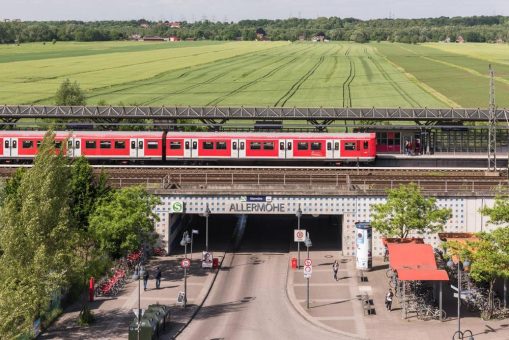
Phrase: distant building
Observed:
(175, 24)
(319, 37)
(174, 38)
(460, 39)
(260, 34)
(135, 37)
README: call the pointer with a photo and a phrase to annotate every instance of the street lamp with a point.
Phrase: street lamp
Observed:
(206, 214)
(467, 334)
(308, 244)
(184, 242)
(299, 215)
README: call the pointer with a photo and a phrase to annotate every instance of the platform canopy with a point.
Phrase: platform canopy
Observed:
(415, 262)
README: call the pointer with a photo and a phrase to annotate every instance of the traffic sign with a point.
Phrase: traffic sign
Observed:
(186, 263)
(136, 312)
(299, 235)
(308, 262)
(308, 270)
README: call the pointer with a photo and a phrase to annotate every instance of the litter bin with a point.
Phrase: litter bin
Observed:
(163, 314)
(215, 263)
(294, 263)
(147, 329)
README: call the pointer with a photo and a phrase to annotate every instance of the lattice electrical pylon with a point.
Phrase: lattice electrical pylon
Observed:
(492, 134)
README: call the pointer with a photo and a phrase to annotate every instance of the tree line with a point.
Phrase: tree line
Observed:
(472, 29)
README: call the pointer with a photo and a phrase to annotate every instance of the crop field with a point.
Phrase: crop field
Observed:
(285, 74)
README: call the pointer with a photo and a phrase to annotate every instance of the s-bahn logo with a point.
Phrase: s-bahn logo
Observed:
(177, 207)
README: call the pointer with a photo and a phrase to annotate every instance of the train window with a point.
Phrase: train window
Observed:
(77, 144)
(27, 144)
(289, 146)
(208, 145)
(90, 144)
(221, 146)
(350, 146)
(336, 146)
(187, 145)
(58, 144)
(174, 145)
(281, 146)
(255, 146)
(6, 144)
(329, 146)
(302, 146)
(14, 144)
(133, 145)
(366, 145)
(140, 144)
(268, 146)
(195, 145)
(234, 145)
(241, 145)
(316, 146)
(153, 145)
(119, 144)
(105, 144)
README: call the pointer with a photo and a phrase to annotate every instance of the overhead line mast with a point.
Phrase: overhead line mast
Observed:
(492, 135)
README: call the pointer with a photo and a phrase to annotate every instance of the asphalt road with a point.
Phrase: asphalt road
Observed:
(248, 299)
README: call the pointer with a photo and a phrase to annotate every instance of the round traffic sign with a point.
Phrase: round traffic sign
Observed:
(307, 269)
(300, 234)
(186, 263)
(308, 262)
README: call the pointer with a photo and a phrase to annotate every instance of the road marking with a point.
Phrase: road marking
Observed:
(332, 318)
(320, 284)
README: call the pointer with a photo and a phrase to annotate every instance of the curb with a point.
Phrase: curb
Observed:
(305, 315)
(203, 300)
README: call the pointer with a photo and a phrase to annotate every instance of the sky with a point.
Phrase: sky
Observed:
(235, 10)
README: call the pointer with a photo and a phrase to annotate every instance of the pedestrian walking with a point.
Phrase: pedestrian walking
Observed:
(145, 279)
(386, 253)
(335, 267)
(388, 300)
(158, 277)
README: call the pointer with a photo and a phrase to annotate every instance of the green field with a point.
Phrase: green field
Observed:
(257, 73)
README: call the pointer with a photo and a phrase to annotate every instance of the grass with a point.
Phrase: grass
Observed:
(257, 73)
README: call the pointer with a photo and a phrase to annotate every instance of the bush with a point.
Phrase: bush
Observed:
(86, 316)
(70, 94)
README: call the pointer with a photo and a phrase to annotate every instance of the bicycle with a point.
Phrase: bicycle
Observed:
(428, 313)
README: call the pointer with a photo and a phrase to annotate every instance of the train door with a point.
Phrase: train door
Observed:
(133, 148)
(289, 148)
(11, 147)
(194, 148)
(329, 149)
(77, 147)
(141, 147)
(282, 149)
(70, 148)
(336, 149)
(242, 148)
(235, 148)
(187, 147)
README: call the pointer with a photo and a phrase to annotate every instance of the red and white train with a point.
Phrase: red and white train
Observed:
(195, 146)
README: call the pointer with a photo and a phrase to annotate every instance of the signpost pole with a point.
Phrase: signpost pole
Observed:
(139, 301)
(299, 214)
(185, 278)
(307, 304)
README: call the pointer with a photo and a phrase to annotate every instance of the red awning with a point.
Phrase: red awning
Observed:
(415, 262)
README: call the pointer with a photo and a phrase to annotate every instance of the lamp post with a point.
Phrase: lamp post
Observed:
(308, 244)
(185, 240)
(206, 214)
(467, 334)
(139, 301)
(298, 214)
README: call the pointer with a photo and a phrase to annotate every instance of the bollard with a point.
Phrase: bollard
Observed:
(294, 263)
(91, 285)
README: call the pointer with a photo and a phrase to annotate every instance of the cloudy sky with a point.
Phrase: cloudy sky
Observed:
(234, 10)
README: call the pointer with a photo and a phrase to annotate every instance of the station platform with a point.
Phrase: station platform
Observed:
(442, 159)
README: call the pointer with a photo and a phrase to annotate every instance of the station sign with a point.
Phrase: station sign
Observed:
(176, 207)
(299, 235)
(256, 198)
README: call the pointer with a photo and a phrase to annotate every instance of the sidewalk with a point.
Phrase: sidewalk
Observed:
(335, 305)
(113, 314)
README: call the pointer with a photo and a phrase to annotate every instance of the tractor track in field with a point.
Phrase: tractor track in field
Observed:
(394, 85)
(243, 87)
(347, 92)
(295, 87)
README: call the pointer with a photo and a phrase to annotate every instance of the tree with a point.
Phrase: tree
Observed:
(82, 192)
(37, 241)
(408, 211)
(499, 213)
(124, 221)
(70, 94)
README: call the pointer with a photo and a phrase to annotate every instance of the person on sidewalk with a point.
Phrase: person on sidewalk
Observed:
(145, 279)
(335, 267)
(158, 277)
(388, 300)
